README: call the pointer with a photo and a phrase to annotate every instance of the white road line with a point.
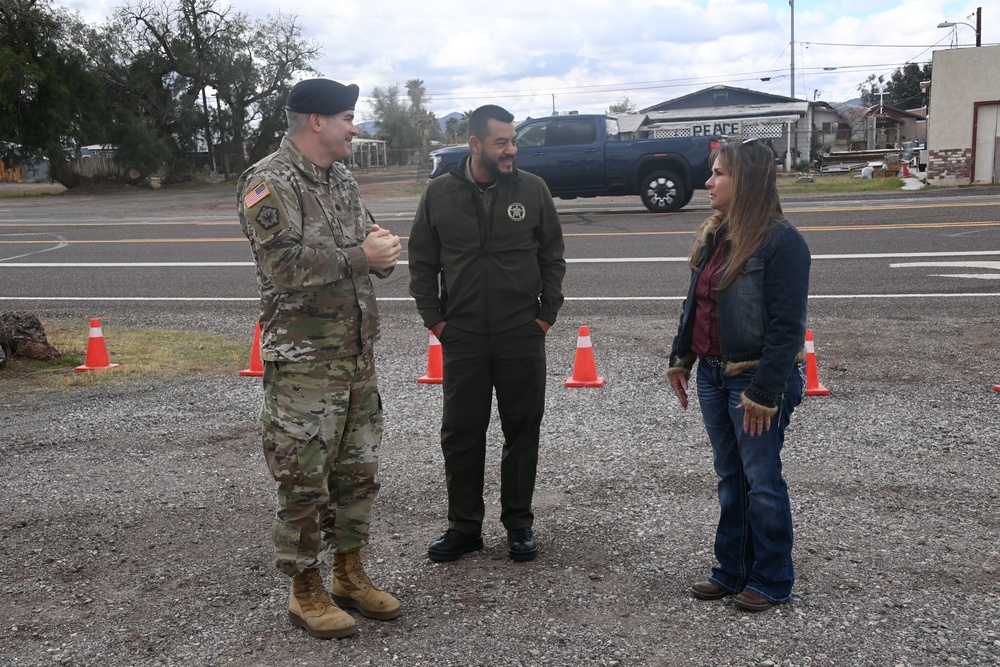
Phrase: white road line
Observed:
(885, 255)
(962, 265)
(975, 276)
(994, 266)
(59, 241)
(610, 299)
(576, 260)
(117, 265)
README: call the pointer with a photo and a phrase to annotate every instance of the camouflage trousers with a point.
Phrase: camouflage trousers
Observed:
(322, 426)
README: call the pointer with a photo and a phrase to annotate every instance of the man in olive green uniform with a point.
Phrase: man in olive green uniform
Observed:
(314, 246)
(488, 236)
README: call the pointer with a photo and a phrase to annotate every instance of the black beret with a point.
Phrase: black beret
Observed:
(322, 96)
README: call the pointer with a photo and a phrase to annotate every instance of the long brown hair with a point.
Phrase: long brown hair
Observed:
(754, 205)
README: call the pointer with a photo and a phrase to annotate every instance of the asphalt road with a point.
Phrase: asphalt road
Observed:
(185, 250)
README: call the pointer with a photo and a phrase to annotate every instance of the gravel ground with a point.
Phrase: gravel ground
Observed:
(137, 521)
(137, 517)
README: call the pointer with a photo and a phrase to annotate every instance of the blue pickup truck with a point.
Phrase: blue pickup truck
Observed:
(579, 156)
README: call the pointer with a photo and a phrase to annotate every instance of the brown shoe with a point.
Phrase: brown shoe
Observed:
(310, 607)
(706, 590)
(352, 589)
(751, 602)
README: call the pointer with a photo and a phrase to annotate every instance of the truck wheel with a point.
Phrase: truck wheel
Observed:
(663, 192)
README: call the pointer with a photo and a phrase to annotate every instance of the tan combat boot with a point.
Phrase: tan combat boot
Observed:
(310, 607)
(352, 589)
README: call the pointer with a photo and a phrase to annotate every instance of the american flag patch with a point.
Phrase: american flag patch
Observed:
(259, 193)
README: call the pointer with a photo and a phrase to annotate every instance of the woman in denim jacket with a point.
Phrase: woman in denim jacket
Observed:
(744, 321)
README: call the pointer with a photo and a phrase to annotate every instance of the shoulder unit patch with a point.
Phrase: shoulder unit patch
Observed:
(268, 217)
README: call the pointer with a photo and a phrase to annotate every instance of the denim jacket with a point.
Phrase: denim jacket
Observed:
(762, 314)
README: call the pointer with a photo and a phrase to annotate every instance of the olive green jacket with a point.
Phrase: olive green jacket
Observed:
(502, 265)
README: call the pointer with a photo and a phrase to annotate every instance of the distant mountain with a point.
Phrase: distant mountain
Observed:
(444, 120)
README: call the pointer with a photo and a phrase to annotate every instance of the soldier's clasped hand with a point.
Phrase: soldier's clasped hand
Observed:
(382, 248)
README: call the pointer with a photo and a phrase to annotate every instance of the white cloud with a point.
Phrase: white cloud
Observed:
(589, 53)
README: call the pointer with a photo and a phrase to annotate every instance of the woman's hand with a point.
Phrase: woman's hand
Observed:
(679, 382)
(756, 422)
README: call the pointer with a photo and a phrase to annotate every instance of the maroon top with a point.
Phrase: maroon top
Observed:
(705, 337)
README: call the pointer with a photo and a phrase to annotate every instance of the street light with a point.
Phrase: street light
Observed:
(978, 27)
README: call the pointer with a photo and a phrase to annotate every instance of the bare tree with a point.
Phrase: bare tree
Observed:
(254, 75)
(209, 47)
(623, 105)
(184, 34)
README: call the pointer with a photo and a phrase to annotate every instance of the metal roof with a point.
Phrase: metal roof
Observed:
(708, 97)
(800, 109)
(852, 114)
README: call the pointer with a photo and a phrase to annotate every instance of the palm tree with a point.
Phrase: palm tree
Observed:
(415, 90)
(459, 131)
(427, 126)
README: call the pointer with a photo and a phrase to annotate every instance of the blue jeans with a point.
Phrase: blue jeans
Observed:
(753, 542)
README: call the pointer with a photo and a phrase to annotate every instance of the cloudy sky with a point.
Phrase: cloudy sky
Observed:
(583, 55)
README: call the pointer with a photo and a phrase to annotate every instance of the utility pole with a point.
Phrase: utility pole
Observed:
(792, 135)
(791, 3)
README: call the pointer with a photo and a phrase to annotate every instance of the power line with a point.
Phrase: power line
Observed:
(874, 46)
(649, 85)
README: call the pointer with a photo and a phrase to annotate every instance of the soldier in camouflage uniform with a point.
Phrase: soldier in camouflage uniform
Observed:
(314, 245)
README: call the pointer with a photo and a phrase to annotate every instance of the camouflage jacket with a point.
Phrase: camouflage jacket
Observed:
(305, 227)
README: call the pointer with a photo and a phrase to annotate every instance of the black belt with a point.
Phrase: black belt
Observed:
(715, 362)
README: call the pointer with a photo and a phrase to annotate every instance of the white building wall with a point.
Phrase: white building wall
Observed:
(960, 78)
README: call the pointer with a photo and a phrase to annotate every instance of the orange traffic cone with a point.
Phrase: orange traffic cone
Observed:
(813, 387)
(435, 374)
(584, 370)
(906, 170)
(97, 353)
(256, 365)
